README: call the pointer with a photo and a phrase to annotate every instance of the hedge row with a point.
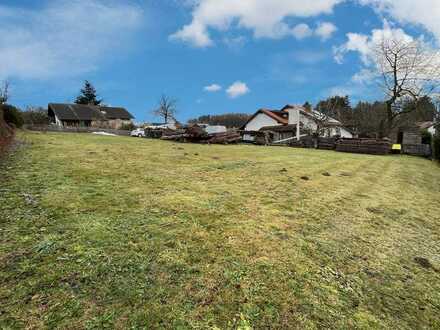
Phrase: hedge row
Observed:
(6, 132)
(436, 146)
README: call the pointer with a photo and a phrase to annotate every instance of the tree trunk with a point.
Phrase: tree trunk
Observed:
(388, 126)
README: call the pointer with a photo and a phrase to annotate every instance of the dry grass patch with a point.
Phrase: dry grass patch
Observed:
(120, 232)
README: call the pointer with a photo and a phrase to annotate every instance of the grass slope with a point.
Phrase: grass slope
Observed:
(120, 232)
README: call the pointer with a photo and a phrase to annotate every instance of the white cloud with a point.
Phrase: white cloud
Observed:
(302, 31)
(325, 30)
(195, 34)
(63, 38)
(365, 82)
(265, 18)
(425, 13)
(365, 44)
(213, 88)
(237, 89)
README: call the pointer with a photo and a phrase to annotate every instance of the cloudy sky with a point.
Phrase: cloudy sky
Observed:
(214, 56)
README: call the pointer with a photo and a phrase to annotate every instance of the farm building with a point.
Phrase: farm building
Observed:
(79, 115)
(292, 122)
(412, 133)
(412, 138)
(429, 126)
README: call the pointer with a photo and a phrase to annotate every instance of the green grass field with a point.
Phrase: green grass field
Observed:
(116, 232)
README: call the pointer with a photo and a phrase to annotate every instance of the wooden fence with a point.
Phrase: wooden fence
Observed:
(417, 149)
(364, 146)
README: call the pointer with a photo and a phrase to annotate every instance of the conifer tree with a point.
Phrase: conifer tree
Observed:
(88, 95)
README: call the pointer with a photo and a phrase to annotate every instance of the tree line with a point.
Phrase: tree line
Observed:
(370, 119)
(230, 120)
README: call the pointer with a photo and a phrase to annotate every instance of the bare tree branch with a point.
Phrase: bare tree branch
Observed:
(166, 108)
(4, 92)
(410, 70)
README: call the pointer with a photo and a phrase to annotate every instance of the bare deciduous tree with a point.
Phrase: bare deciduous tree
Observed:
(166, 108)
(321, 117)
(4, 92)
(410, 70)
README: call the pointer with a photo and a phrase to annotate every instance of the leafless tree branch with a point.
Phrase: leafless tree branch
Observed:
(166, 108)
(4, 92)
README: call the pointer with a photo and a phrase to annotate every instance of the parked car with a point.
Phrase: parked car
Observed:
(138, 132)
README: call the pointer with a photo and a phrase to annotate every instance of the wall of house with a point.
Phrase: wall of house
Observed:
(117, 123)
(294, 116)
(259, 121)
(248, 138)
(308, 123)
(58, 121)
(412, 138)
(279, 136)
(346, 134)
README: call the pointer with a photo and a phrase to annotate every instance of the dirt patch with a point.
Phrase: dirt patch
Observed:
(12, 147)
(345, 174)
(423, 262)
(30, 200)
(374, 210)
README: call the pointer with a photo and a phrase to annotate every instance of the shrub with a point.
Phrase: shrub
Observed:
(6, 133)
(35, 116)
(426, 137)
(436, 146)
(12, 115)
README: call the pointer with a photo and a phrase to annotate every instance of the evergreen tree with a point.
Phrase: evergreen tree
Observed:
(88, 95)
(307, 106)
(337, 107)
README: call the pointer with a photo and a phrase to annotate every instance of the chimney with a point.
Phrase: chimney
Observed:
(294, 115)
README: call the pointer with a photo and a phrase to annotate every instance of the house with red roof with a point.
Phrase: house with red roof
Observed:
(292, 122)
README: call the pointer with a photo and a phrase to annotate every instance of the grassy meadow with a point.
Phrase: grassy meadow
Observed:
(117, 232)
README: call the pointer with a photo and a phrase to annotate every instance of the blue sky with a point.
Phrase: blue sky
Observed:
(250, 53)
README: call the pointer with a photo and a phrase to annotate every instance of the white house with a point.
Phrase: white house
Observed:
(170, 124)
(292, 122)
(213, 129)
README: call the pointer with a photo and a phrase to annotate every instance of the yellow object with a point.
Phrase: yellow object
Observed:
(397, 147)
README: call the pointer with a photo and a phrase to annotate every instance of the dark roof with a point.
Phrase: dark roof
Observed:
(87, 112)
(116, 113)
